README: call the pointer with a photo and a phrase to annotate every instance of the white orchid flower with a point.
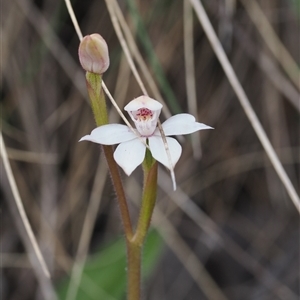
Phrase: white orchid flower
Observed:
(131, 150)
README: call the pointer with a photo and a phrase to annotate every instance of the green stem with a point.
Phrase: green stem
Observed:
(148, 202)
(134, 255)
(98, 104)
(117, 182)
(96, 94)
(135, 245)
(134, 242)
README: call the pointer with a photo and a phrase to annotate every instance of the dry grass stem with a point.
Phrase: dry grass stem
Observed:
(188, 258)
(74, 19)
(190, 72)
(217, 47)
(87, 229)
(273, 42)
(54, 44)
(125, 48)
(230, 225)
(140, 61)
(222, 239)
(30, 235)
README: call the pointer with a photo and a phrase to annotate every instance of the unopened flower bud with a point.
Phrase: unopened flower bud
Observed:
(93, 54)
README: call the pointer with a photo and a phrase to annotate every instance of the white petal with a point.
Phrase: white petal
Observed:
(182, 124)
(129, 155)
(143, 102)
(158, 150)
(110, 134)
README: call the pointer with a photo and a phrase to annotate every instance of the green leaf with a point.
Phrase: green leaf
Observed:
(104, 275)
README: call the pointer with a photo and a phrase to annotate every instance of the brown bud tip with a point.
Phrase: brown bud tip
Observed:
(93, 54)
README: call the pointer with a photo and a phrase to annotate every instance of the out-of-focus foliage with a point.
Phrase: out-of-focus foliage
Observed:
(104, 275)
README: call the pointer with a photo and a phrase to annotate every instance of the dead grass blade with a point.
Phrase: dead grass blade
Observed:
(219, 51)
(273, 42)
(30, 238)
(190, 72)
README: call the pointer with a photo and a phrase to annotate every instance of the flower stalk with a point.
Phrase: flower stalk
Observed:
(119, 190)
(134, 257)
(135, 245)
(93, 55)
(98, 105)
(134, 241)
(97, 98)
(148, 199)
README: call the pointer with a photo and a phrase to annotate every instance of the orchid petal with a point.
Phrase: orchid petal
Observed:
(182, 124)
(158, 150)
(110, 134)
(143, 102)
(129, 155)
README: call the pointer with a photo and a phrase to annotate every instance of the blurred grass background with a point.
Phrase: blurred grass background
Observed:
(231, 220)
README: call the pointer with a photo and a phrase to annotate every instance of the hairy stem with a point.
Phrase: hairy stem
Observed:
(117, 182)
(148, 202)
(98, 104)
(135, 245)
(134, 255)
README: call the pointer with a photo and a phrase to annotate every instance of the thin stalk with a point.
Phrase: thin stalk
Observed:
(272, 40)
(98, 104)
(139, 58)
(97, 98)
(135, 245)
(21, 209)
(117, 182)
(190, 81)
(74, 19)
(86, 233)
(244, 101)
(39, 265)
(134, 255)
(148, 203)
